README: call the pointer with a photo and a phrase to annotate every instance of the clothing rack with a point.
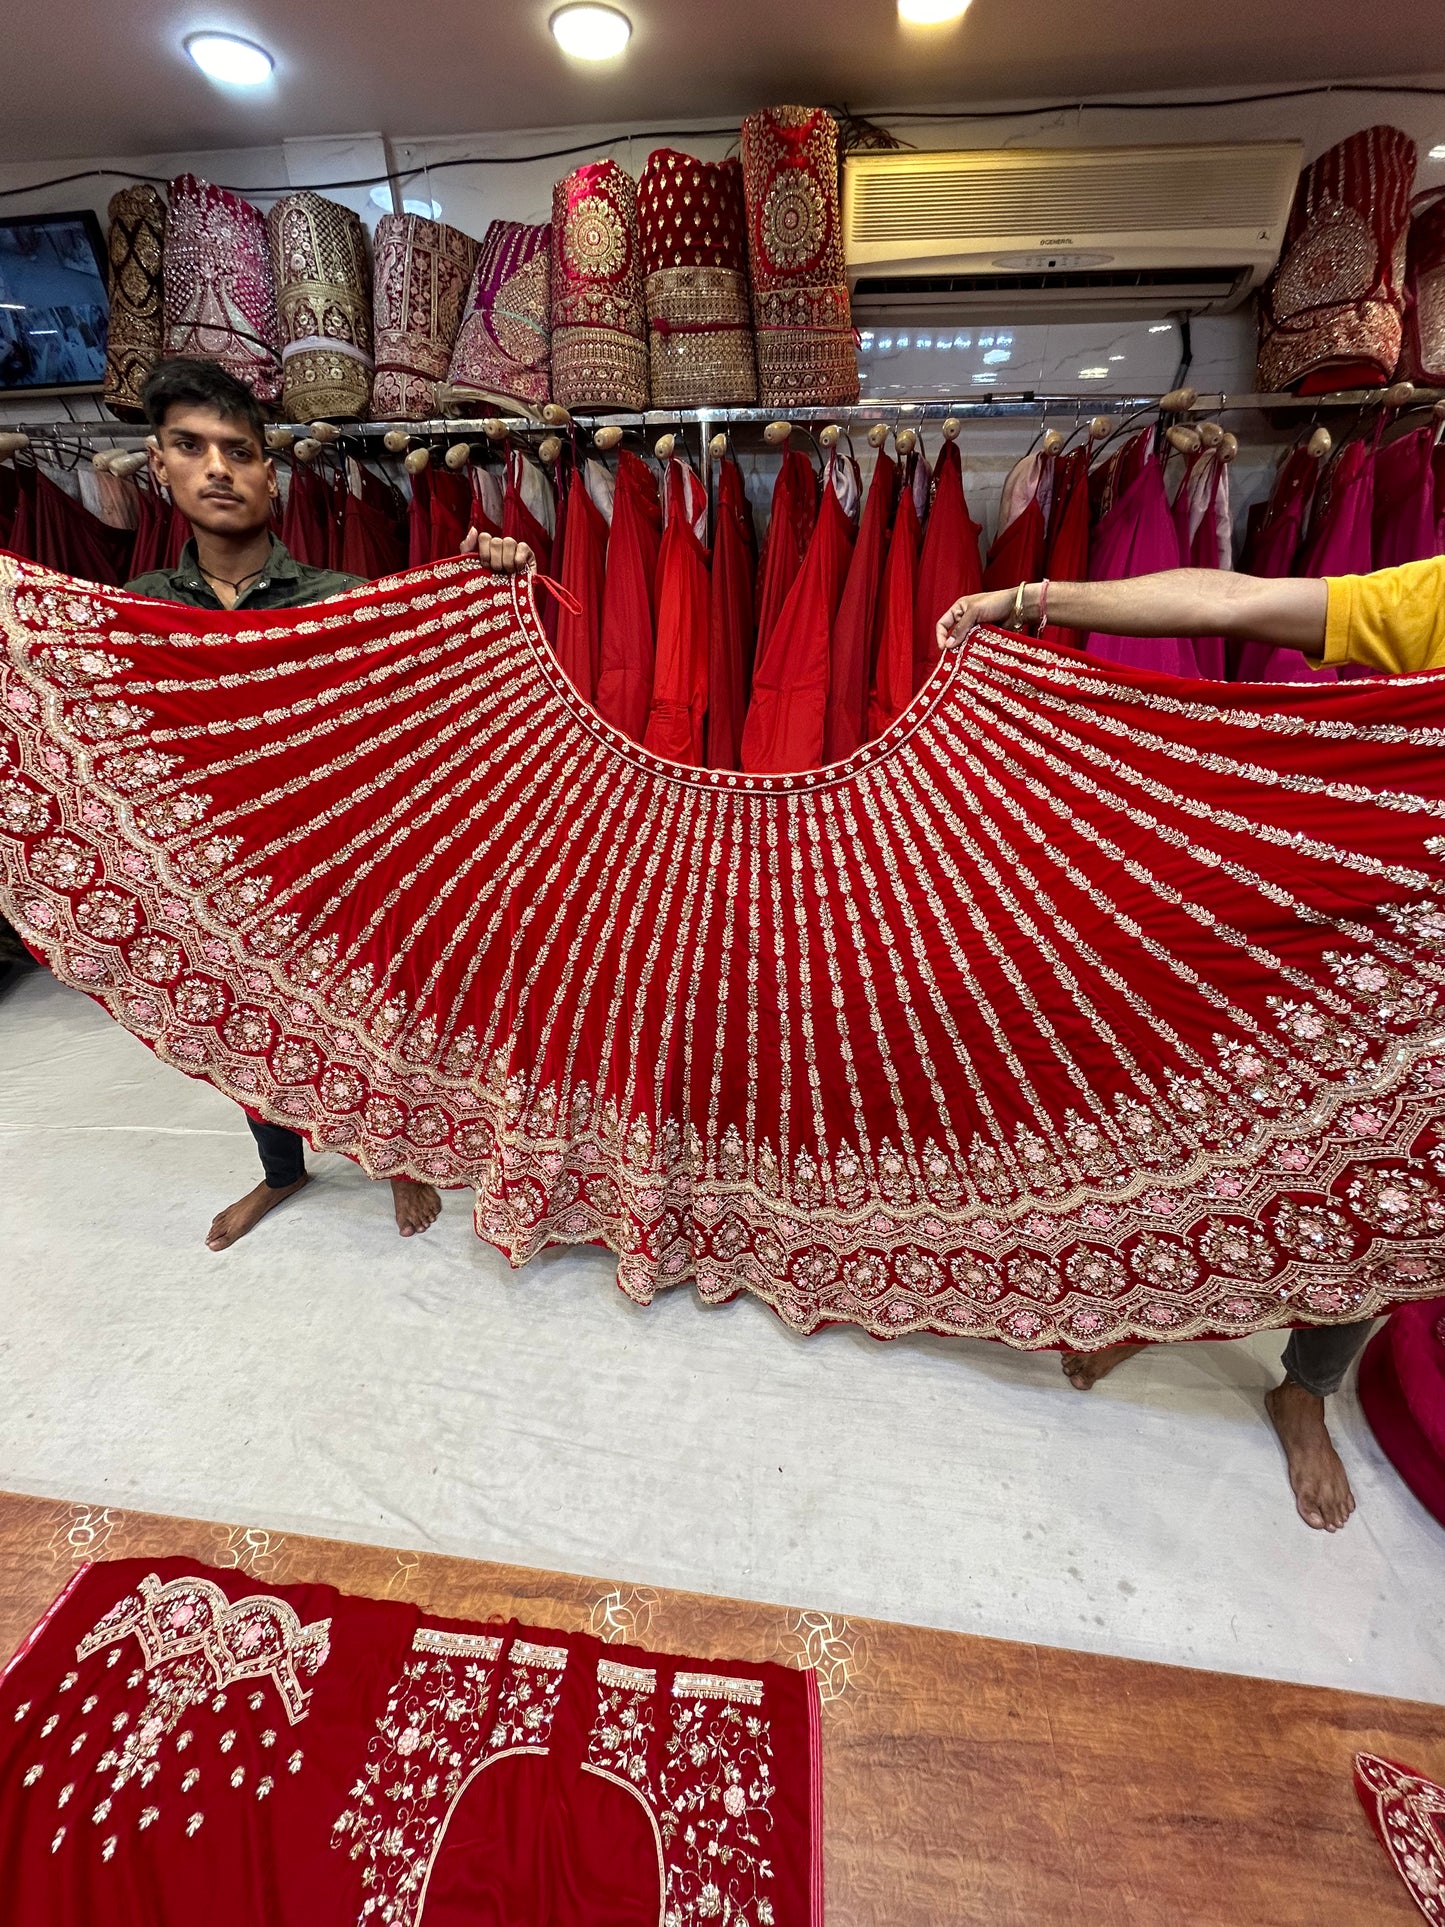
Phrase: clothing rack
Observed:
(1000, 404)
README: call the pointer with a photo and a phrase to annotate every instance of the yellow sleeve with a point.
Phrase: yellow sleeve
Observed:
(1392, 620)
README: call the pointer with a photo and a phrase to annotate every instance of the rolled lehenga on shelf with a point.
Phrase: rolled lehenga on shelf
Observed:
(1086, 1004)
(220, 292)
(323, 294)
(135, 243)
(422, 272)
(695, 261)
(503, 350)
(599, 320)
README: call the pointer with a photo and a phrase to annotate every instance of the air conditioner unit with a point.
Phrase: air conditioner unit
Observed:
(1058, 233)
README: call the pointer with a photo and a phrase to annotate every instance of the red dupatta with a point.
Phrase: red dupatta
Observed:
(855, 626)
(628, 637)
(730, 619)
(790, 523)
(892, 685)
(584, 567)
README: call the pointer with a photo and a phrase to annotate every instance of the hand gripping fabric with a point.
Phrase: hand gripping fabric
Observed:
(1085, 1004)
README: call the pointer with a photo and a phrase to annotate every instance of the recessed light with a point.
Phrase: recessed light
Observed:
(1093, 374)
(429, 210)
(1116, 357)
(996, 356)
(590, 32)
(931, 13)
(1437, 153)
(225, 57)
(1161, 327)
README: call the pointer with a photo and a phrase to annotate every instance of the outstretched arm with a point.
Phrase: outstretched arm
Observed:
(1287, 611)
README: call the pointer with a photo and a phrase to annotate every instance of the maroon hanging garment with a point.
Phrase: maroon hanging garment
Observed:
(584, 569)
(1137, 537)
(449, 512)
(1404, 527)
(373, 542)
(9, 500)
(855, 626)
(679, 678)
(790, 523)
(624, 674)
(730, 620)
(66, 536)
(789, 703)
(1272, 548)
(891, 689)
(152, 526)
(948, 564)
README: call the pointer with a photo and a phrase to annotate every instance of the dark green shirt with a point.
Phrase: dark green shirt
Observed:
(284, 583)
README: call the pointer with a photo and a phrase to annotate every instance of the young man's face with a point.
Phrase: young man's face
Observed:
(219, 474)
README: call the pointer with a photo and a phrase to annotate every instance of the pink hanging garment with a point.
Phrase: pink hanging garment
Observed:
(850, 668)
(624, 673)
(1202, 519)
(679, 676)
(1137, 536)
(730, 620)
(1271, 548)
(948, 566)
(1404, 523)
(1341, 541)
(787, 712)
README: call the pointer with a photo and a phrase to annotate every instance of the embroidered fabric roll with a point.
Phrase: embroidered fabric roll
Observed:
(323, 293)
(1422, 355)
(220, 292)
(504, 346)
(136, 244)
(693, 230)
(599, 324)
(423, 271)
(1330, 314)
(795, 254)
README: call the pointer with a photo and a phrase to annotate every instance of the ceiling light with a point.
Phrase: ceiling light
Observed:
(590, 32)
(223, 57)
(1093, 374)
(1437, 153)
(931, 13)
(1161, 327)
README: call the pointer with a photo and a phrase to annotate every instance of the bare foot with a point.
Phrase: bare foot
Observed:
(416, 1205)
(1083, 1369)
(1316, 1475)
(243, 1216)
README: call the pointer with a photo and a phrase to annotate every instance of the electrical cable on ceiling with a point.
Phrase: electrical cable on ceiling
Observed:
(400, 176)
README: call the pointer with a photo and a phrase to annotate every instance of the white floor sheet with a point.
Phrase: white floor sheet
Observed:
(327, 1376)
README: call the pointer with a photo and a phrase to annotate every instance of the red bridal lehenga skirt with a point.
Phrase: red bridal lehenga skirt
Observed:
(1085, 1004)
(180, 1745)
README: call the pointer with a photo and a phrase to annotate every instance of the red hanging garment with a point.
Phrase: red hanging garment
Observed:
(1402, 1390)
(373, 541)
(177, 536)
(1403, 522)
(1066, 555)
(486, 501)
(1271, 548)
(525, 495)
(584, 570)
(305, 520)
(449, 512)
(64, 535)
(624, 671)
(1137, 537)
(1017, 554)
(679, 680)
(948, 564)
(790, 523)
(891, 690)
(844, 1039)
(418, 520)
(730, 620)
(247, 1755)
(152, 527)
(1202, 523)
(789, 702)
(850, 670)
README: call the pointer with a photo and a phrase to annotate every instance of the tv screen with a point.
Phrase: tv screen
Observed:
(53, 303)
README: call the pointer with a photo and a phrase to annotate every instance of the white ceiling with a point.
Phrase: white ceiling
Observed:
(93, 77)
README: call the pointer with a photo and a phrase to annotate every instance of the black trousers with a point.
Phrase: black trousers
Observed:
(283, 1153)
(1317, 1356)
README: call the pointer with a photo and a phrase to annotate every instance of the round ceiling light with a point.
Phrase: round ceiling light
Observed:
(590, 32)
(931, 13)
(234, 62)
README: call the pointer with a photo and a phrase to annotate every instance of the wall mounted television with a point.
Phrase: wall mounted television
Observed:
(53, 303)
